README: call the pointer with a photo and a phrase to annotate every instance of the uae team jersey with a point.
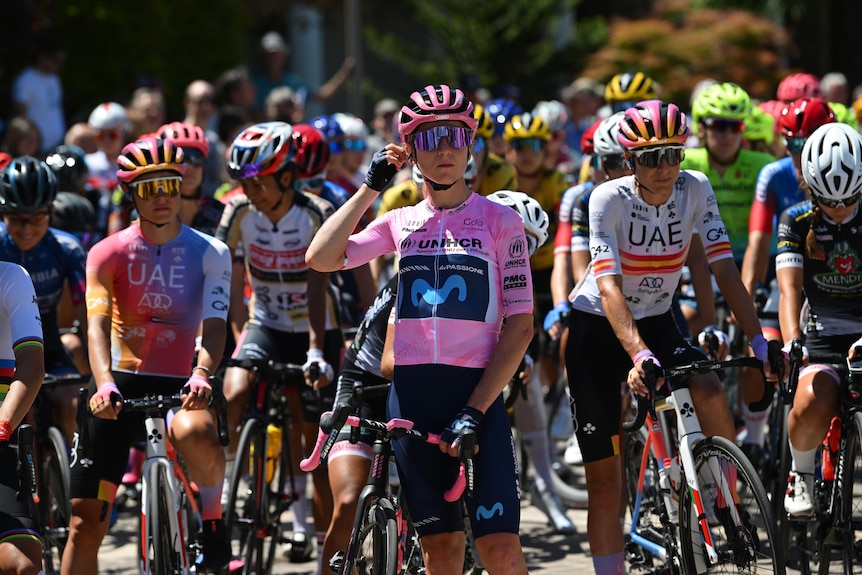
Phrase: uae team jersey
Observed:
(648, 245)
(157, 296)
(20, 324)
(461, 271)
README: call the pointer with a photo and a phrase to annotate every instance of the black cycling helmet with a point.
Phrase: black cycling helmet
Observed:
(70, 166)
(26, 185)
(73, 213)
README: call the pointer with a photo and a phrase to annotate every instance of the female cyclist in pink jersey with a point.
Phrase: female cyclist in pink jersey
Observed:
(151, 288)
(463, 267)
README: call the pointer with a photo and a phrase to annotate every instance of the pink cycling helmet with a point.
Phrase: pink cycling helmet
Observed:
(799, 85)
(653, 123)
(185, 135)
(147, 155)
(435, 103)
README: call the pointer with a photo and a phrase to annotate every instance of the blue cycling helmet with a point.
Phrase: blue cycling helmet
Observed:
(501, 111)
(331, 129)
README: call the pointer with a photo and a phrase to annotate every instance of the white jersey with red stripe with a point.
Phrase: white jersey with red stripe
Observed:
(461, 270)
(648, 245)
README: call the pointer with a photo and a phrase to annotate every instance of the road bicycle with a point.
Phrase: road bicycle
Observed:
(697, 504)
(263, 466)
(171, 536)
(53, 476)
(831, 539)
(379, 543)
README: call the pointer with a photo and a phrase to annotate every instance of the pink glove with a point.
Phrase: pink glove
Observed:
(103, 405)
(199, 391)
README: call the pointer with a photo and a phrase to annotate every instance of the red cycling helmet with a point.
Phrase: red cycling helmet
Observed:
(587, 142)
(5, 160)
(435, 103)
(149, 155)
(799, 85)
(801, 117)
(185, 135)
(312, 151)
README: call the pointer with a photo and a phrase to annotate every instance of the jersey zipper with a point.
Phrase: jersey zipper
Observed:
(437, 286)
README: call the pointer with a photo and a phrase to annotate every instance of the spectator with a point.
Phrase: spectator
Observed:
(834, 88)
(110, 123)
(23, 138)
(275, 52)
(282, 104)
(235, 88)
(147, 111)
(83, 136)
(199, 104)
(38, 94)
(382, 125)
(583, 98)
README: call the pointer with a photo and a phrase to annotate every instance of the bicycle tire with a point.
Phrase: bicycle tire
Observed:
(55, 507)
(161, 556)
(373, 549)
(247, 513)
(851, 499)
(740, 548)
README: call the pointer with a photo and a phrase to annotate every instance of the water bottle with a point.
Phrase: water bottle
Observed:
(273, 450)
(670, 500)
(831, 444)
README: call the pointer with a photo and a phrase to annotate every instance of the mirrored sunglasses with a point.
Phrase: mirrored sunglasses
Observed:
(534, 144)
(109, 135)
(37, 219)
(309, 183)
(652, 158)
(478, 145)
(614, 162)
(724, 125)
(795, 145)
(355, 145)
(429, 140)
(148, 189)
(194, 157)
(845, 203)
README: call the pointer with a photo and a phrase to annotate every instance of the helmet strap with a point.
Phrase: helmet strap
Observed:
(437, 187)
(143, 219)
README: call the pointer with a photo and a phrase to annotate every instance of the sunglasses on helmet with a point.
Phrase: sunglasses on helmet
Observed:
(429, 140)
(652, 158)
(724, 125)
(148, 189)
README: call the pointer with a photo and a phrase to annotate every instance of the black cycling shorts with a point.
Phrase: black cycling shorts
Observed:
(597, 367)
(431, 396)
(258, 341)
(99, 475)
(16, 517)
(373, 403)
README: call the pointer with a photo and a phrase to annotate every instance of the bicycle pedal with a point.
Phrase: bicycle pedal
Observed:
(336, 562)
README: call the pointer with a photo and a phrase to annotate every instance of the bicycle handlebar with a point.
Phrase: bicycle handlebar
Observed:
(274, 368)
(652, 373)
(332, 422)
(26, 466)
(52, 380)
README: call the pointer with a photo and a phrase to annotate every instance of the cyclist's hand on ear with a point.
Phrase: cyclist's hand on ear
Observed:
(467, 418)
(384, 165)
(107, 402)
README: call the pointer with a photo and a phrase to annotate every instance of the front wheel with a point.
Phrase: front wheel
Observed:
(55, 507)
(737, 521)
(374, 549)
(851, 500)
(161, 557)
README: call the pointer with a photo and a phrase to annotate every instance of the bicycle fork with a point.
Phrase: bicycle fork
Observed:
(158, 471)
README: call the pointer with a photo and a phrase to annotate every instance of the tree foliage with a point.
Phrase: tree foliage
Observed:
(110, 44)
(679, 46)
(500, 41)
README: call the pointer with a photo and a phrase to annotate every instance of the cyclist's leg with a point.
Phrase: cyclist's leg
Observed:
(596, 364)
(20, 542)
(253, 343)
(750, 390)
(64, 399)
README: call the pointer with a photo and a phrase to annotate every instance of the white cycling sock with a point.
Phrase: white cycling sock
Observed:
(300, 506)
(536, 443)
(755, 424)
(803, 461)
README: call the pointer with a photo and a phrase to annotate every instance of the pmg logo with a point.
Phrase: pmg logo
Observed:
(483, 512)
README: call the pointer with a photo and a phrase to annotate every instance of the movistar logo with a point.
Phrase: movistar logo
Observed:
(484, 513)
(431, 296)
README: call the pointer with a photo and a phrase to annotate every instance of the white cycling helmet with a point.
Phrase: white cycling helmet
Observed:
(535, 219)
(554, 113)
(605, 142)
(109, 116)
(832, 163)
(352, 126)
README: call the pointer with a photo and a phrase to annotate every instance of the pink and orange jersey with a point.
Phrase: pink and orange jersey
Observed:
(648, 245)
(157, 296)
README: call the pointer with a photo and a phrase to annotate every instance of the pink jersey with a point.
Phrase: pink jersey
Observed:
(157, 296)
(461, 271)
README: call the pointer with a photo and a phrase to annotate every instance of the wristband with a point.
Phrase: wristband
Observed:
(313, 354)
(760, 347)
(641, 355)
(110, 386)
(5, 430)
(203, 367)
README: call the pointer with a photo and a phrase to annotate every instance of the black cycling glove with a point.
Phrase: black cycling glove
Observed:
(380, 172)
(467, 418)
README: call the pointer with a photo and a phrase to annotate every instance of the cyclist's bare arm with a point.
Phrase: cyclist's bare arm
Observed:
(317, 283)
(561, 277)
(701, 280)
(580, 263)
(213, 339)
(238, 312)
(790, 301)
(29, 372)
(727, 276)
(618, 313)
(755, 262)
(504, 361)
